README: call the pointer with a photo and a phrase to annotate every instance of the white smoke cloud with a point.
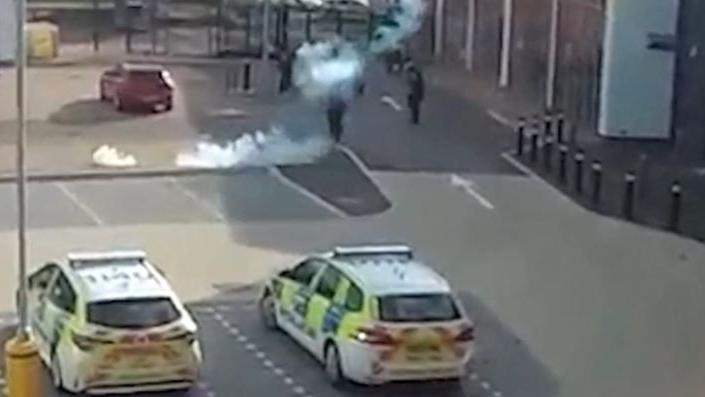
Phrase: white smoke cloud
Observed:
(256, 150)
(321, 71)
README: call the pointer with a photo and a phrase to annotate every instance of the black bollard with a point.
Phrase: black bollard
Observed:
(562, 156)
(675, 215)
(560, 124)
(246, 77)
(533, 146)
(521, 126)
(628, 200)
(547, 125)
(596, 182)
(548, 153)
(579, 160)
(308, 26)
(339, 22)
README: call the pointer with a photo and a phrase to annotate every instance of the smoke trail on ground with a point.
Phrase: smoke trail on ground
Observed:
(322, 71)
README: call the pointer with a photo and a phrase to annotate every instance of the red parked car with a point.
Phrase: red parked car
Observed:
(138, 86)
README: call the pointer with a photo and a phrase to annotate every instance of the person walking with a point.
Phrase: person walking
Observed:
(336, 112)
(415, 83)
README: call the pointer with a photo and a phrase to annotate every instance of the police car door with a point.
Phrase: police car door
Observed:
(300, 280)
(60, 306)
(40, 283)
(325, 308)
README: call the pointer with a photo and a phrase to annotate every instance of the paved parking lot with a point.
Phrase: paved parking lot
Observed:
(253, 195)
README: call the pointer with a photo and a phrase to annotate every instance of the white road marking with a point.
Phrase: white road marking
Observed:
(299, 390)
(278, 371)
(268, 363)
(260, 355)
(80, 204)
(499, 118)
(226, 324)
(234, 331)
(473, 376)
(250, 346)
(210, 208)
(242, 338)
(218, 316)
(274, 171)
(507, 156)
(467, 186)
(485, 385)
(497, 394)
(288, 381)
(391, 102)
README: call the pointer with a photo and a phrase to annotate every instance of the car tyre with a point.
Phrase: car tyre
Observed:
(56, 375)
(117, 102)
(169, 105)
(334, 371)
(103, 97)
(267, 308)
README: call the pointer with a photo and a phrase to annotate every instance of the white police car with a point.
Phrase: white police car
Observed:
(108, 322)
(372, 314)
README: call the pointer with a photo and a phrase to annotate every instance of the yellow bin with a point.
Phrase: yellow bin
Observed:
(42, 40)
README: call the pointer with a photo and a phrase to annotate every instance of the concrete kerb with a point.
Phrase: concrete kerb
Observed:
(122, 174)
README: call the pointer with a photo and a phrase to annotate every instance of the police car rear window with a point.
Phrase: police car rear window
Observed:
(418, 308)
(133, 313)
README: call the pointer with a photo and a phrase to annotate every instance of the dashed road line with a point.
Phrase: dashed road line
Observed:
(274, 171)
(262, 356)
(485, 385)
(210, 208)
(497, 394)
(80, 204)
(473, 376)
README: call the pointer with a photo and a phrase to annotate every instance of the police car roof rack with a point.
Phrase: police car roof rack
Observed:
(350, 252)
(77, 259)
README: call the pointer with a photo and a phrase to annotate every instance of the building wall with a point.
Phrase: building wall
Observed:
(7, 30)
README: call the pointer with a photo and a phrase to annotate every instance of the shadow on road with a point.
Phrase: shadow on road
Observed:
(502, 358)
(87, 112)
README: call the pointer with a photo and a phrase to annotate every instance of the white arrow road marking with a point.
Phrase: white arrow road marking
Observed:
(467, 186)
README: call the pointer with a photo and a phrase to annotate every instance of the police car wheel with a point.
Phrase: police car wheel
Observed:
(267, 311)
(56, 376)
(333, 369)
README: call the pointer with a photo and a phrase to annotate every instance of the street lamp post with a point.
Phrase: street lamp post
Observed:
(22, 359)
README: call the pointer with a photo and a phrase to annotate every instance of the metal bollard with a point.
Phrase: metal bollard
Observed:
(547, 153)
(596, 182)
(579, 160)
(628, 200)
(339, 22)
(562, 156)
(533, 146)
(560, 124)
(246, 77)
(674, 217)
(547, 125)
(521, 126)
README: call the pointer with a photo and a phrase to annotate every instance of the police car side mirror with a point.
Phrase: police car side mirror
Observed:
(286, 273)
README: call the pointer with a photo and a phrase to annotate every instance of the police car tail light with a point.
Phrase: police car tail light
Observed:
(374, 336)
(87, 343)
(467, 334)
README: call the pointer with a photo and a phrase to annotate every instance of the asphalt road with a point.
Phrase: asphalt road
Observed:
(243, 358)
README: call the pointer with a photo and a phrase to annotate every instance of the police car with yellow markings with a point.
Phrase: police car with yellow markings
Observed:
(108, 322)
(371, 314)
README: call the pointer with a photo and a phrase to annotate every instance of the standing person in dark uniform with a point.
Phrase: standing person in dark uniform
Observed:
(286, 66)
(336, 112)
(415, 81)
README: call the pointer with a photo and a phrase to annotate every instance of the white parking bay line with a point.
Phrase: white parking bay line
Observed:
(210, 208)
(467, 186)
(80, 204)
